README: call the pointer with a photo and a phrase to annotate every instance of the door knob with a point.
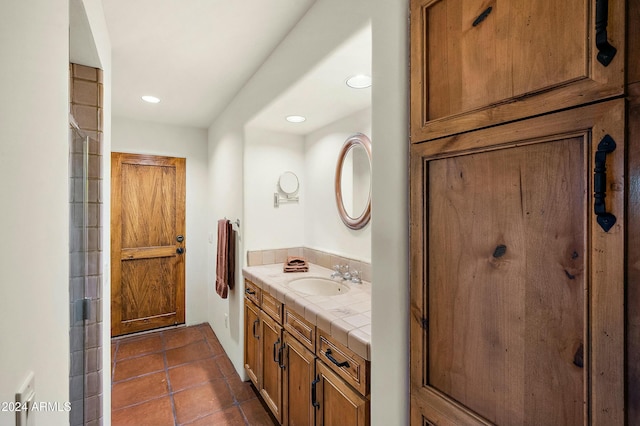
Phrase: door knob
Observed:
(179, 238)
(179, 250)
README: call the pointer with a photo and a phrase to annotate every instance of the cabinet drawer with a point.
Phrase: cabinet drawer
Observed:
(253, 292)
(300, 328)
(272, 306)
(351, 367)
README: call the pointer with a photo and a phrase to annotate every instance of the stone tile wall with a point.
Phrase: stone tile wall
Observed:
(86, 336)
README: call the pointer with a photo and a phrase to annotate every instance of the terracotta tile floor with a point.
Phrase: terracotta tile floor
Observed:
(180, 377)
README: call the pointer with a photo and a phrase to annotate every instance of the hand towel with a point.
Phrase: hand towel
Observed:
(296, 264)
(225, 259)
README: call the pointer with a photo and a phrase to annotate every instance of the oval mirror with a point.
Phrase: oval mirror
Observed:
(288, 183)
(353, 181)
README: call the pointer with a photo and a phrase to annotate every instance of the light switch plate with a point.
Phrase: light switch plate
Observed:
(24, 399)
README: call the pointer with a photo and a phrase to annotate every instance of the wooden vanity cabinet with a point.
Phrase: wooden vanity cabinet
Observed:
(476, 63)
(338, 404)
(299, 389)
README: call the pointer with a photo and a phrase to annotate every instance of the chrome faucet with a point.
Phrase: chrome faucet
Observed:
(341, 271)
(346, 274)
(355, 277)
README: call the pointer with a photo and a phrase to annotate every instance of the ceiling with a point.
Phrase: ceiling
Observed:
(322, 95)
(196, 55)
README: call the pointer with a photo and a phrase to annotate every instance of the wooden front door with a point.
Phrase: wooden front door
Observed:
(147, 242)
(517, 291)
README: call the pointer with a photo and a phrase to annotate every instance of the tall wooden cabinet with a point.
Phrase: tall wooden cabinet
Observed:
(518, 225)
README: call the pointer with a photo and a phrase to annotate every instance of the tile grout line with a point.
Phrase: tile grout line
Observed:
(113, 362)
(138, 403)
(166, 372)
(210, 343)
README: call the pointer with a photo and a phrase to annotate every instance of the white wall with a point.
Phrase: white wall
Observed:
(306, 44)
(34, 189)
(226, 200)
(140, 137)
(390, 211)
(324, 27)
(268, 154)
(313, 221)
(324, 229)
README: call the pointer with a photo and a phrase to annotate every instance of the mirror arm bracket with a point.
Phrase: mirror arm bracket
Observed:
(277, 199)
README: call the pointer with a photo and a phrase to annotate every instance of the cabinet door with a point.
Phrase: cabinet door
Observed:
(339, 404)
(298, 377)
(517, 292)
(252, 342)
(271, 359)
(633, 256)
(476, 63)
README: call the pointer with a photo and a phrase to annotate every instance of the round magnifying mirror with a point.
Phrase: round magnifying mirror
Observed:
(353, 181)
(288, 183)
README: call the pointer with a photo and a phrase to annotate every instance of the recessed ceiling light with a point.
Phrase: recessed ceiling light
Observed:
(359, 81)
(150, 99)
(295, 118)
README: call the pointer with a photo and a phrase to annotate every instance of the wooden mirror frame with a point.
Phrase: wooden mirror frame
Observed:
(362, 220)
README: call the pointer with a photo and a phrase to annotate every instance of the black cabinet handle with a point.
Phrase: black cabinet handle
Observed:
(605, 219)
(335, 361)
(249, 291)
(256, 322)
(314, 400)
(281, 356)
(606, 51)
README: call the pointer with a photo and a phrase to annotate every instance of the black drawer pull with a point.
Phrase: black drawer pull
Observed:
(249, 291)
(335, 361)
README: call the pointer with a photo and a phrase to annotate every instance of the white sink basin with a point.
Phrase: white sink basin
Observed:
(318, 287)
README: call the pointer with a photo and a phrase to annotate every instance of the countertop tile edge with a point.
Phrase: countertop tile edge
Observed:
(272, 279)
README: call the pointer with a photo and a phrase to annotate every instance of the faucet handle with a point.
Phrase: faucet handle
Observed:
(355, 277)
(336, 271)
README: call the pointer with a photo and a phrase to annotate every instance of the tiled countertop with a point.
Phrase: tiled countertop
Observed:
(346, 317)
